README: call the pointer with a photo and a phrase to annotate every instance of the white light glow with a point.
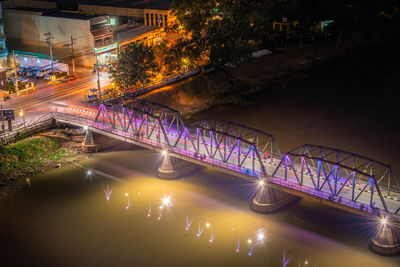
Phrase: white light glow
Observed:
(164, 152)
(383, 221)
(208, 225)
(261, 183)
(89, 172)
(86, 127)
(249, 241)
(260, 236)
(126, 194)
(166, 201)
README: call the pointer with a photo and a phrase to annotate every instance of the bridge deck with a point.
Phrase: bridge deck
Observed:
(250, 169)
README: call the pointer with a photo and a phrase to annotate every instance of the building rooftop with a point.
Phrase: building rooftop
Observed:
(140, 4)
(69, 15)
(131, 31)
(30, 9)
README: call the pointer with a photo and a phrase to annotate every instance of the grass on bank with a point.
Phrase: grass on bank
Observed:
(28, 154)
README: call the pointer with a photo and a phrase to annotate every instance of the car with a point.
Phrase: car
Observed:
(41, 73)
(31, 72)
(48, 76)
(69, 78)
(22, 72)
(5, 98)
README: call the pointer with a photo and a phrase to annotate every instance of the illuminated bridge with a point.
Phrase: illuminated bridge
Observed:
(337, 178)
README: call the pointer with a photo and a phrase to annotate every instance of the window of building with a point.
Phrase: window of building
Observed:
(147, 18)
(98, 43)
(165, 20)
(156, 18)
(152, 19)
(161, 20)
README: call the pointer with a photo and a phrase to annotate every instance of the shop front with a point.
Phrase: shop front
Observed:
(107, 54)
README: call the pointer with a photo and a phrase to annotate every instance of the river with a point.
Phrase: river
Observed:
(63, 218)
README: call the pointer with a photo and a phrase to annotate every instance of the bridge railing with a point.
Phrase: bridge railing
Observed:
(147, 129)
(39, 124)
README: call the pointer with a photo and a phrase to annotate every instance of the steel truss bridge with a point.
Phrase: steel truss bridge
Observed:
(337, 178)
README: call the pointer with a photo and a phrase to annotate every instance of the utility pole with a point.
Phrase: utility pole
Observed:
(15, 73)
(2, 120)
(73, 53)
(49, 39)
(98, 75)
(119, 46)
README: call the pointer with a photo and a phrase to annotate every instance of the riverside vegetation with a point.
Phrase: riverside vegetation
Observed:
(38, 153)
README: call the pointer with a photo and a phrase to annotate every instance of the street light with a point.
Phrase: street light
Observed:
(21, 114)
(261, 183)
(383, 221)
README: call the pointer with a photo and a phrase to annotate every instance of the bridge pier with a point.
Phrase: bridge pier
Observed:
(88, 144)
(172, 168)
(386, 240)
(269, 200)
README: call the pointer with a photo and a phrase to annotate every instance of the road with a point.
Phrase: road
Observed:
(39, 102)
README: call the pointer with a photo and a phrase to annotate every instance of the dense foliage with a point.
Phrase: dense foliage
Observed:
(233, 29)
(139, 64)
(136, 65)
(29, 153)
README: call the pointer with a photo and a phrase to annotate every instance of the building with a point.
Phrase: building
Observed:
(3, 48)
(122, 36)
(127, 10)
(100, 27)
(29, 26)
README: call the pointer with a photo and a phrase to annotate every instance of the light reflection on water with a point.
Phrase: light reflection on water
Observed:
(149, 222)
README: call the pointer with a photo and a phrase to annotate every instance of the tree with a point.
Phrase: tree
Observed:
(184, 52)
(136, 65)
(228, 29)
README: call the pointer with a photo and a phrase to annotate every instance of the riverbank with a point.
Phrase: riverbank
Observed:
(233, 85)
(230, 85)
(38, 153)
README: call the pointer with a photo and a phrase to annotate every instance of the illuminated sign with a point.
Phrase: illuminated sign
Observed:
(113, 22)
(8, 114)
(106, 48)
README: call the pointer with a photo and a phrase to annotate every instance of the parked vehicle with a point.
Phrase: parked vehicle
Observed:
(31, 72)
(22, 71)
(48, 76)
(41, 73)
